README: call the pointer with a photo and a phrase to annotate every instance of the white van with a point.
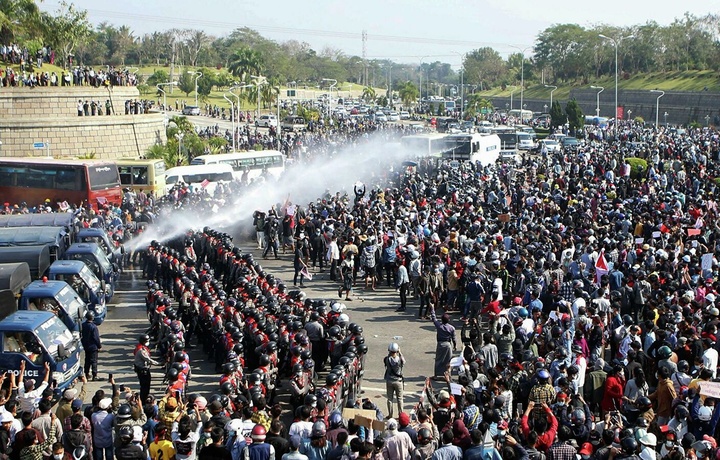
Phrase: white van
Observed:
(203, 176)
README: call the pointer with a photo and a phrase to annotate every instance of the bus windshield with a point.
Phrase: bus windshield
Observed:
(102, 177)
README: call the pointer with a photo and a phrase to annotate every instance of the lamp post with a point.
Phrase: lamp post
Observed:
(259, 80)
(420, 72)
(551, 93)
(665, 115)
(597, 106)
(616, 42)
(522, 76)
(629, 113)
(197, 76)
(657, 105)
(232, 117)
(158, 86)
(334, 82)
(707, 120)
(545, 108)
(511, 97)
(237, 97)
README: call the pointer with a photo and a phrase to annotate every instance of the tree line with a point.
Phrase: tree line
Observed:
(562, 53)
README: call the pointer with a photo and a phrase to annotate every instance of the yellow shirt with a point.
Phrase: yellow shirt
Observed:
(162, 450)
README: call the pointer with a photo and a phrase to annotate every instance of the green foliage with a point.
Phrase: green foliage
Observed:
(245, 62)
(408, 93)
(206, 82)
(159, 76)
(217, 142)
(485, 67)
(368, 94)
(639, 120)
(575, 115)
(309, 114)
(638, 167)
(695, 124)
(382, 101)
(186, 83)
(66, 30)
(557, 116)
(88, 156)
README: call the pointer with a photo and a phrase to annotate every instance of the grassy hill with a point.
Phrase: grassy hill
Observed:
(666, 81)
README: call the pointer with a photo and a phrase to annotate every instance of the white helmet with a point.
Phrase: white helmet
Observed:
(393, 347)
(343, 320)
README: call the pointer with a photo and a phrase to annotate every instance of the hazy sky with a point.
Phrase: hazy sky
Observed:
(402, 30)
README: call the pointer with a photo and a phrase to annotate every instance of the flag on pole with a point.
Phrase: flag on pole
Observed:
(601, 266)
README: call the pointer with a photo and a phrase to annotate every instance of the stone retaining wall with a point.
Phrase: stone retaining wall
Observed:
(49, 114)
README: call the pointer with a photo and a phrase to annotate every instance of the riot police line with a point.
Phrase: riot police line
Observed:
(206, 294)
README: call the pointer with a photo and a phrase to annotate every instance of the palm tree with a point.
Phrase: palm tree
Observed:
(368, 94)
(408, 93)
(269, 92)
(245, 62)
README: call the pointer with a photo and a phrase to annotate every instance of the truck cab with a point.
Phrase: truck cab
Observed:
(84, 282)
(37, 337)
(56, 297)
(96, 260)
(101, 238)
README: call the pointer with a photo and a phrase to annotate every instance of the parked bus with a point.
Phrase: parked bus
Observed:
(253, 163)
(35, 180)
(145, 175)
(204, 176)
(424, 145)
(527, 115)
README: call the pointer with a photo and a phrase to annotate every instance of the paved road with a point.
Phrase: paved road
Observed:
(373, 310)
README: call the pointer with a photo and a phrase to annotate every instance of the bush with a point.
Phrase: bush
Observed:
(638, 167)
(639, 120)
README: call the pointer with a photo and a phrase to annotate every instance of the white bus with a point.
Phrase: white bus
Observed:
(527, 115)
(204, 176)
(424, 145)
(254, 163)
(482, 148)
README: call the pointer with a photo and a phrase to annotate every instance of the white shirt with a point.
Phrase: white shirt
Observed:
(29, 401)
(301, 429)
(710, 360)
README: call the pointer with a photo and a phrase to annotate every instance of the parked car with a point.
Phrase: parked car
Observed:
(381, 118)
(569, 143)
(404, 115)
(551, 145)
(191, 110)
(393, 116)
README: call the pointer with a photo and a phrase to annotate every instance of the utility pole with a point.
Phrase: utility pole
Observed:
(364, 57)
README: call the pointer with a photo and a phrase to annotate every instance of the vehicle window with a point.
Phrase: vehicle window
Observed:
(53, 333)
(125, 175)
(103, 177)
(90, 279)
(25, 343)
(171, 179)
(89, 261)
(140, 174)
(159, 168)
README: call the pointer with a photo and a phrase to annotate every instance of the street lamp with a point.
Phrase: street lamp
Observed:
(522, 76)
(170, 83)
(334, 82)
(616, 42)
(259, 80)
(420, 69)
(657, 105)
(511, 97)
(545, 108)
(629, 113)
(197, 76)
(232, 117)
(665, 115)
(707, 120)
(551, 93)
(597, 106)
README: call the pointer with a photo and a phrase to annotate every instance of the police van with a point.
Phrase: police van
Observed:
(38, 337)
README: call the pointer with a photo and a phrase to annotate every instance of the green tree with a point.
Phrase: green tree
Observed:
(408, 93)
(20, 20)
(575, 115)
(557, 116)
(186, 83)
(206, 82)
(368, 94)
(484, 67)
(66, 30)
(245, 62)
(159, 76)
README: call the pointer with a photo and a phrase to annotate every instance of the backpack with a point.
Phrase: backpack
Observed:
(389, 255)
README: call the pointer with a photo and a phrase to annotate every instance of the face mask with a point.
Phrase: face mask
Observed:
(58, 456)
(669, 444)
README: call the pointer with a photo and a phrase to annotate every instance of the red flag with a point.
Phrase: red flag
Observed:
(664, 228)
(601, 266)
(204, 183)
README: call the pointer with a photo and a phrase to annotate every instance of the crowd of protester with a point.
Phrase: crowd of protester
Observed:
(585, 290)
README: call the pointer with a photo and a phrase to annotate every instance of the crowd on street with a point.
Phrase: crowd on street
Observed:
(574, 300)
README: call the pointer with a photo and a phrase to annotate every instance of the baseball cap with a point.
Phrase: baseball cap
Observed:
(6, 417)
(295, 441)
(70, 394)
(104, 403)
(77, 404)
(404, 419)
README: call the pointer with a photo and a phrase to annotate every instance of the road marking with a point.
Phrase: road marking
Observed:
(127, 320)
(125, 304)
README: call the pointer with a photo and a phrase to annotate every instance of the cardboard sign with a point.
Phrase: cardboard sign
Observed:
(363, 421)
(456, 388)
(349, 413)
(504, 217)
(693, 231)
(656, 234)
(639, 240)
(711, 389)
(707, 260)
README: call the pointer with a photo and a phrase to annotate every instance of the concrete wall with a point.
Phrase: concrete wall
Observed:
(682, 107)
(49, 114)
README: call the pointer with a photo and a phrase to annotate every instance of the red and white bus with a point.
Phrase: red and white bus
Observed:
(34, 180)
